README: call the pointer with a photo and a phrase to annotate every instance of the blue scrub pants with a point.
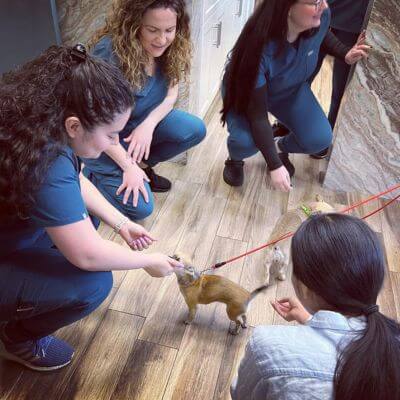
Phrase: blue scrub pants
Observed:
(41, 292)
(341, 72)
(176, 133)
(310, 131)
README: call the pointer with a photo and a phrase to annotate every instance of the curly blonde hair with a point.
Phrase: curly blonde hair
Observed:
(123, 25)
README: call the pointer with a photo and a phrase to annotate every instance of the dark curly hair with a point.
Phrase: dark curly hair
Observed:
(35, 101)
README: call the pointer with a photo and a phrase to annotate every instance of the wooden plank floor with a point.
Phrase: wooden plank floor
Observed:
(135, 346)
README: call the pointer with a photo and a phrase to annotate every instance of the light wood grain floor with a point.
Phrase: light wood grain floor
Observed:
(135, 346)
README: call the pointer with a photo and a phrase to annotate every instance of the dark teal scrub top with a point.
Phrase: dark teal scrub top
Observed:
(58, 202)
(285, 70)
(146, 100)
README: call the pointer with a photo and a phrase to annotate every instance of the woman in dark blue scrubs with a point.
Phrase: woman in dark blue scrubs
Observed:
(54, 266)
(267, 71)
(149, 40)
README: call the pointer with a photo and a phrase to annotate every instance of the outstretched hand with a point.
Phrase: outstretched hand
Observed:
(290, 309)
(140, 141)
(358, 51)
(136, 236)
(133, 179)
(280, 179)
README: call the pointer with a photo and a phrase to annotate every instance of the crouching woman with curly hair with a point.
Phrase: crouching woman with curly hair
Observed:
(54, 266)
(149, 40)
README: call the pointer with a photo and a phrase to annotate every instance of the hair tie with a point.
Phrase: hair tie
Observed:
(371, 309)
(79, 52)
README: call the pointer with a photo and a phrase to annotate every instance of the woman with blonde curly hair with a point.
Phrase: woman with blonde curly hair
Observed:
(149, 40)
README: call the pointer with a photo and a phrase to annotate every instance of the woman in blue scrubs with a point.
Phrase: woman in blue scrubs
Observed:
(54, 266)
(150, 42)
(268, 69)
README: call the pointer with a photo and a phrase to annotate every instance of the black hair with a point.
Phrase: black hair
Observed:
(269, 21)
(35, 101)
(340, 258)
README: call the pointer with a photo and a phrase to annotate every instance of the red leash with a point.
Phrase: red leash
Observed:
(290, 234)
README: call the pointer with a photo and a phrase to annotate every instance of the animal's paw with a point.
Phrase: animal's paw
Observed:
(282, 277)
(244, 326)
(234, 329)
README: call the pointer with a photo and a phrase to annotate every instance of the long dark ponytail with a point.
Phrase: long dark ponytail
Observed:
(269, 21)
(35, 100)
(340, 258)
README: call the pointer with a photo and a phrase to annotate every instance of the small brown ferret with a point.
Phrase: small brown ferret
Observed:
(206, 289)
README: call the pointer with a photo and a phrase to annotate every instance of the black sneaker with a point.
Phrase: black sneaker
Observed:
(233, 172)
(286, 162)
(279, 130)
(157, 182)
(322, 154)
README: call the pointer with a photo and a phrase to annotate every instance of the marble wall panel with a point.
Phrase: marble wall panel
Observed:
(79, 19)
(366, 150)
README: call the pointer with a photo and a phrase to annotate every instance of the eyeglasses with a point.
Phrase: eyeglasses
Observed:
(315, 3)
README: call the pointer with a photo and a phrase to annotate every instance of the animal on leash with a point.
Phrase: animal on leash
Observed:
(205, 289)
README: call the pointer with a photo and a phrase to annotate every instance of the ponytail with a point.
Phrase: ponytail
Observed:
(340, 259)
(369, 367)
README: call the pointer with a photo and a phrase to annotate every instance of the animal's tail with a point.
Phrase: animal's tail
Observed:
(257, 291)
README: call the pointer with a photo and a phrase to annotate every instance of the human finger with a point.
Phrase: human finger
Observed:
(175, 264)
(126, 195)
(121, 188)
(145, 195)
(143, 242)
(146, 156)
(136, 152)
(135, 197)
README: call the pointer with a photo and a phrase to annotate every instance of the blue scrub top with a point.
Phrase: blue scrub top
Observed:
(58, 202)
(146, 100)
(285, 70)
(348, 15)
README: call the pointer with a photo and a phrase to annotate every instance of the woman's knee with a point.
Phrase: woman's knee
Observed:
(317, 141)
(94, 289)
(182, 127)
(241, 145)
(141, 211)
(191, 130)
(199, 130)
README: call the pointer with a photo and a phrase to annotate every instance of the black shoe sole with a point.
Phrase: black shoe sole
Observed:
(321, 155)
(230, 182)
(318, 157)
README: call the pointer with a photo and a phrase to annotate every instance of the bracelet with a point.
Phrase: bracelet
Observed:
(120, 224)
